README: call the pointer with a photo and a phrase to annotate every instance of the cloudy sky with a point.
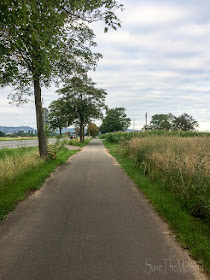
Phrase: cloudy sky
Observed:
(158, 62)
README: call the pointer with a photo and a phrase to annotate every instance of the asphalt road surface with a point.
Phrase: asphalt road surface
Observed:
(90, 222)
(21, 143)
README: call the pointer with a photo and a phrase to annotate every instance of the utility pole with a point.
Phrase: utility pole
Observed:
(133, 124)
(145, 121)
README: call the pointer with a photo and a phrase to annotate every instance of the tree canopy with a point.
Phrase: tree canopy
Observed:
(41, 41)
(185, 122)
(115, 120)
(83, 102)
(162, 121)
(168, 121)
(57, 119)
(92, 130)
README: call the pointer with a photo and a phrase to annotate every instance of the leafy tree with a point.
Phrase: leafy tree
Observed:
(28, 37)
(42, 40)
(162, 121)
(185, 122)
(2, 134)
(115, 120)
(83, 102)
(56, 117)
(21, 133)
(92, 130)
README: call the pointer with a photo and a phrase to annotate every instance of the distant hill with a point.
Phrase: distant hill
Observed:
(71, 130)
(9, 129)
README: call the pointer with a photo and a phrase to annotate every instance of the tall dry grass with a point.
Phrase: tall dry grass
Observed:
(17, 163)
(182, 165)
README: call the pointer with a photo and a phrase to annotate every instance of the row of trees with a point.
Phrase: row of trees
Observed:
(16, 134)
(169, 122)
(48, 41)
(81, 103)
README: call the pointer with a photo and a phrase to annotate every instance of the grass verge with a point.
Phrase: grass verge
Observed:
(192, 233)
(5, 152)
(31, 178)
(76, 142)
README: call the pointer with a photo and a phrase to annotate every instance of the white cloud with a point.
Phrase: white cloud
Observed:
(153, 14)
(158, 62)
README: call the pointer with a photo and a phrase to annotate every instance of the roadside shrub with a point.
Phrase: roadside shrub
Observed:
(58, 139)
(76, 142)
(52, 150)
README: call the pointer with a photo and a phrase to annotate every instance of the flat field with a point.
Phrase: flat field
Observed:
(17, 138)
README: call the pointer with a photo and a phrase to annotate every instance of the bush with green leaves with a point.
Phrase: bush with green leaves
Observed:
(52, 151)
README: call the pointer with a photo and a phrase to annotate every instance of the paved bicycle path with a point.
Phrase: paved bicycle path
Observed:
(89, 222)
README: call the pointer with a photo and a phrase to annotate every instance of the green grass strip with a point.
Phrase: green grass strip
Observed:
(29, 180)
(76, 142)
(193, 234)
(6, 152)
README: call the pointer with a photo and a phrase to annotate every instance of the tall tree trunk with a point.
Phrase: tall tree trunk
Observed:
(60, 130)
(83, 133)
(39, 119)
(80, 132)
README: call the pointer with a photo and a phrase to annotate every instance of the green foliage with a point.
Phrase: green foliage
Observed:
(15, 152)
(162, 122)
(35, 40)
(59, 137)
(52, 150)
(119, 137)
(115, 120)
(82, 102)
(29, 37)
(185, 122)
(2, 134)
(76, 142)
(47, 132)
(92, 130)
(45, 41)
(169, 122)
(56, 117)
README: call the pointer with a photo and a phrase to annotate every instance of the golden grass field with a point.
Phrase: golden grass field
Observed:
(16, 138)
(181, 164)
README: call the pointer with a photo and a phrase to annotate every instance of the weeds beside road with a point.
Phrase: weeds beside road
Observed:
(76, 142)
